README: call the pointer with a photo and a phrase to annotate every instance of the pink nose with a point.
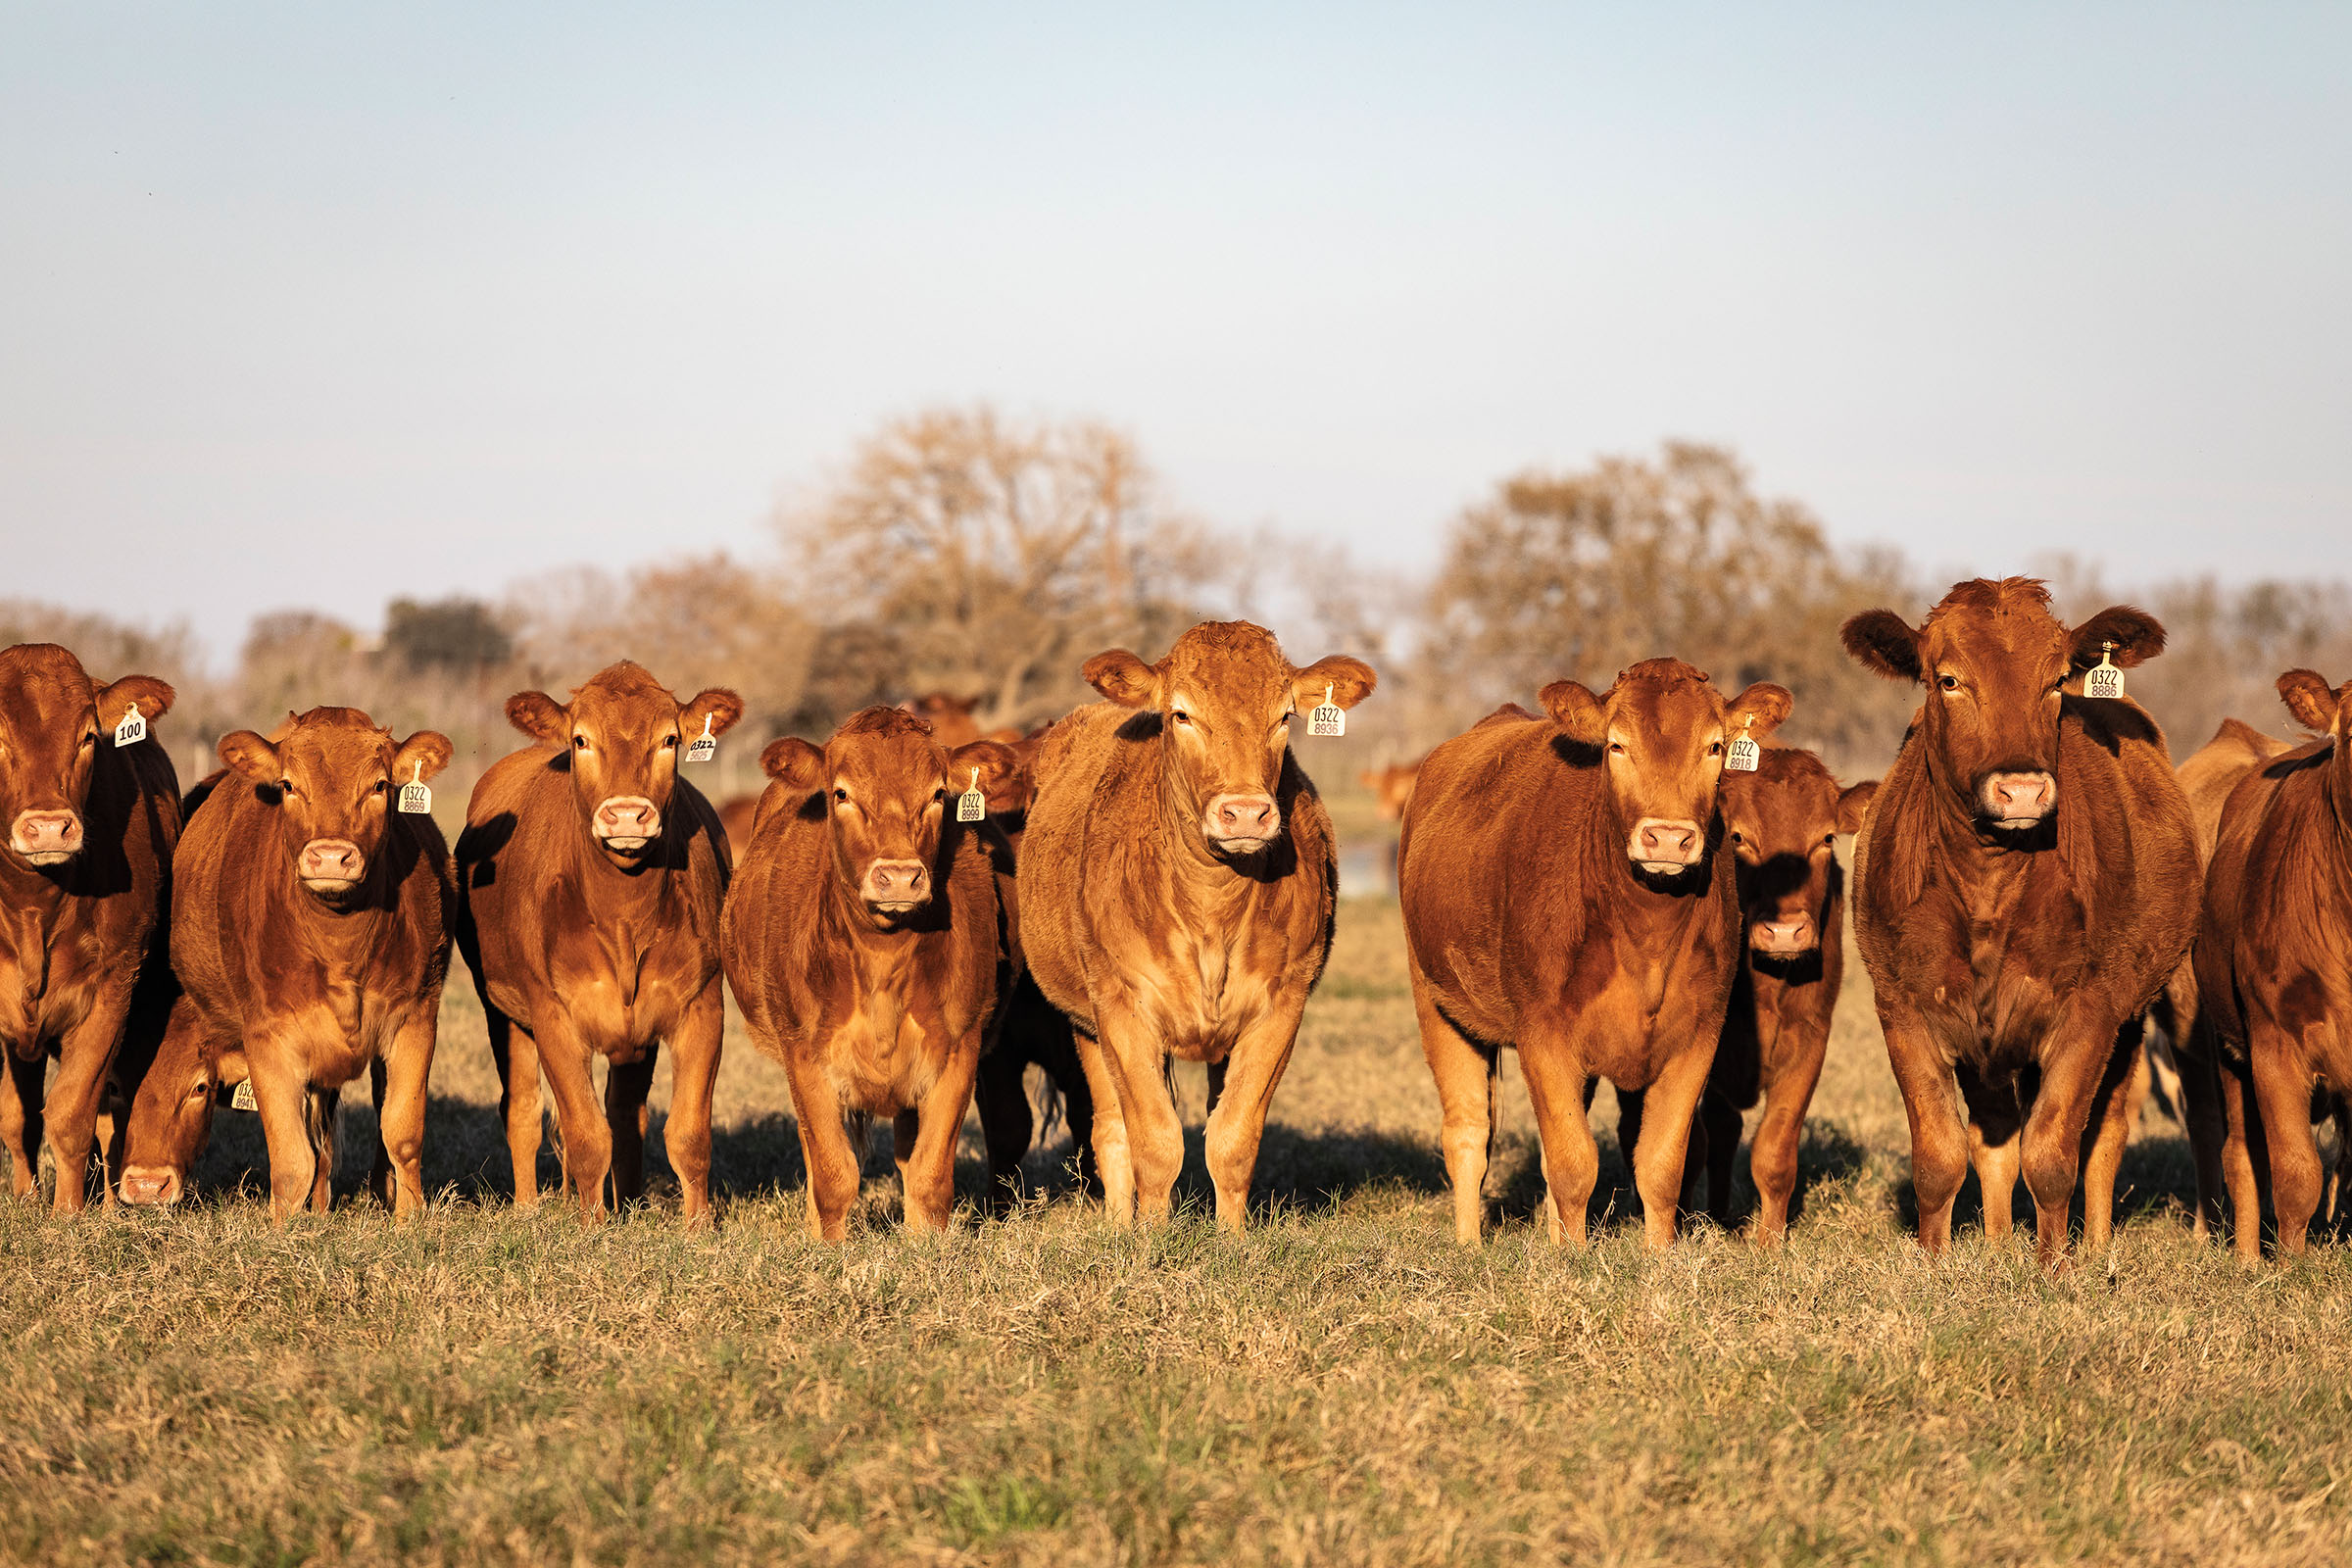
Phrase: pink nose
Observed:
(150, 1184)
(1666, 843)
(1243, 816)
(46, 833)
(897, 884)
(1788, 934)
(332, 861)
(2020, 797)
(627, 816)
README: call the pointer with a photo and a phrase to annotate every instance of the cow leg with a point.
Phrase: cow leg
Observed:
(284, 1103)
(516, 1054)
(627, 1087)
(22, 1090)
(1995, 1122)
(319, 1106)
(833, 1165)
(2123, 1087)
(1113, 1158)
(1005, 1123)
(2201, 1114)
(2071, 1080)
(2283, 1084)
(1243, 1084)
(1154, 1133)
(694, 1051)
(904, 1128)
(1721, 1120)
(1939, 1130)
(1556, 1087)
(400, 1090)
(85, 1059)
(2243, 1161)
(1661, 1157)
(587, 1139)
(1468, 1111)
(927, 1171)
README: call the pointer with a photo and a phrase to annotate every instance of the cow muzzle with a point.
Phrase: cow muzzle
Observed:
(2017, 799)
(1786, 936)
(1240, 824)
(627, 822)
(151, 1185)
(46, 838)
(895, 887)
(330, 865)
(1664, 846)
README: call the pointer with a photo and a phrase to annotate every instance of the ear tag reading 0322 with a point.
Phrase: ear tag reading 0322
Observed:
(241, 1097)
(133, 727)
(971, 806)
(1328, 718)
(2103, 679)
(1744, 754)
(705, 746)
(415, 795)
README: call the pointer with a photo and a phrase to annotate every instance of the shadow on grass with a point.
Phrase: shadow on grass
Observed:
(2157, 1176)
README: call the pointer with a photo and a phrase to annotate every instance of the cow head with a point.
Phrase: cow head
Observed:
(949, 715)
(1783, 822)
(2318, 706)
(331, 775)
(886, 788)
(171, 1121)
(1226, 697)
(1661, 732)
(54, 721)
(1994, 662)
(622, 734)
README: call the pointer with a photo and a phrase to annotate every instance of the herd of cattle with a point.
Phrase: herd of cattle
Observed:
(1629, 885)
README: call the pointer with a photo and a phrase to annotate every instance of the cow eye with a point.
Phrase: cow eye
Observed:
(1736, 837)
(91, 739)
(1181, 716)
(840, 795)
(938, 796)
(1714, 748)
(670, 741)
(383, 786)
(1830, 840)
(579, 743)
(1950, 683)
(1616, 748)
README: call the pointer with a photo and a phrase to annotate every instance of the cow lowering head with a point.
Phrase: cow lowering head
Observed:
(1783, 822)
(1661, 732)
(171, 1123)
(887, 789)
(622, 734)
(1995, 661)
(54, 723)
(331, 775)
(1226, 697)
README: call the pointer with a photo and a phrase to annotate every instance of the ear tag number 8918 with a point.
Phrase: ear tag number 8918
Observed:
(1328, 718)
(132, 729)
(971, 806)
(1744, 754)
(705, 746)
(416, 796)
(2103, 679)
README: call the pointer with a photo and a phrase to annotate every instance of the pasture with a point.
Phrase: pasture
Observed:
(1342, 1384)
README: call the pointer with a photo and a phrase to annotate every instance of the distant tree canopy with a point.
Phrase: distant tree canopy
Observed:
(458, 634)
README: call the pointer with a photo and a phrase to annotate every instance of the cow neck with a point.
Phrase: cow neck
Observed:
(876, 956)
(622, 891)
(1198, 869)
(2336, 791)
(1601, 838)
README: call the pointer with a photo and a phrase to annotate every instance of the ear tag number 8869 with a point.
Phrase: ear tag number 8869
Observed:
(415, 796)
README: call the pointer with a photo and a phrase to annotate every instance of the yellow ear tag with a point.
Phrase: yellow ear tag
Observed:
(1328, 718)
(415, 795)
(705, 746)
(241, 1097)
(2103, 679)
(133, 727)
(1744, 754)
(971, 806)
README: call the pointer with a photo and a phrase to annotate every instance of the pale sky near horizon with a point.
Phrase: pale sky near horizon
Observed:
(320, 305)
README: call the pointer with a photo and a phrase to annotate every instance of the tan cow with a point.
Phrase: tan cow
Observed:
(85, 881)
(310, 932)
(1177, 893)
(590, 876)
(862, 938)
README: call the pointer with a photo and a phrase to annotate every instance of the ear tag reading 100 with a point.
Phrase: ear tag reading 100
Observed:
(1328, 718)
(971, 806)
(415, 795)
(133, 727)
(241, 1097)
(705, 746)
(2103, 679)
(1744, 754)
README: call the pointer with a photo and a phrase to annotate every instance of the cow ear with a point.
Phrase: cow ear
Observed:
(1882, 640)
(718, 704)
(1123, 678)
(1000, 770)
(2138, 637)
(1577, 711)
(1349, 680)
(1758, 711)
(150, 696)
(793, 761)
(2309, 698)
(1854, 802)
(540, 716)
(423, 755)
(251, 757)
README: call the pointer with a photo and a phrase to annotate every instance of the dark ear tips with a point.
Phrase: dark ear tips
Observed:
(1882, 641)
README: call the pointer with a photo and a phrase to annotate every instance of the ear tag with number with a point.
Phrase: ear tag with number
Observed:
(1328, 718)
(413, 794)
(705, 746)
(133, 727)
(1744, 754)
(241, 1097)
(2103, 679)
(971, 806)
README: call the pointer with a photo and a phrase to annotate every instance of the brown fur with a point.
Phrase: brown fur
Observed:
(78, 937)
(1155, 942)
(1527, 923)
(300, 991)
(736, 814)
(580, 950)
(1392, 787)
(2012, 965)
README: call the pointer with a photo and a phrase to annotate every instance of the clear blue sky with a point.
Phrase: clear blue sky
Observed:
(318, 304)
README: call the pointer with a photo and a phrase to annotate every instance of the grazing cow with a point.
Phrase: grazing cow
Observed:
(862, 942)
(1563, 893)
(2024, 885)
(84, 879)
(1392, 787)
(2270, 958)
(590, 877)
(310, 933)
(1177, 895)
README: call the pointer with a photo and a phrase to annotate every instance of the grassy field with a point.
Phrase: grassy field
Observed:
(1343, 1383)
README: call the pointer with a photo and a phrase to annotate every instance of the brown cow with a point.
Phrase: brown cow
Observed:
(84, 878)
(1392, 787)
(862, 942)
(735, 816)
(590, 877)
(2270, 958)
(2024, 885)
(310, 932)
(1177, 895)
(1562, 894)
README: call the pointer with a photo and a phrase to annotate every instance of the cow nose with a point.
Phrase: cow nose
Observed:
(1243, 816)
(1788, 934)
(2020, 797)
(153, 1185)
(332, 861)
(46, 834)
(628, 818)
(897, 884)
(1658, 841)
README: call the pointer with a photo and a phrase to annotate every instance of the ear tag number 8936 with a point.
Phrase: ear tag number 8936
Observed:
(416, 796)
(971, 806)
(2103, 679)
(705, 746)
(1328, 718)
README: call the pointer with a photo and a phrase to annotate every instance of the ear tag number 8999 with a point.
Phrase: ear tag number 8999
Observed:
(971, 806)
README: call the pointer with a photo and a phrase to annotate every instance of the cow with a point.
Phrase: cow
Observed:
(309, 934)
(2024, 886)
(2270, 959)
(863, 940)
(735, 816)
(1564, 892)
(590, 877)
(91, 807)
(1177, 895)
(1782, 820)
(1392, 786)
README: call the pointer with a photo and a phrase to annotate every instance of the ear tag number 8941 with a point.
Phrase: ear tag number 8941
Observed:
(705, 746)
(2103, 679)
(1328, 718)
(415, 796)
(971, 806)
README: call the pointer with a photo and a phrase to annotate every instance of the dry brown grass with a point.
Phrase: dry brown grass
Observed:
(1343, 1383)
